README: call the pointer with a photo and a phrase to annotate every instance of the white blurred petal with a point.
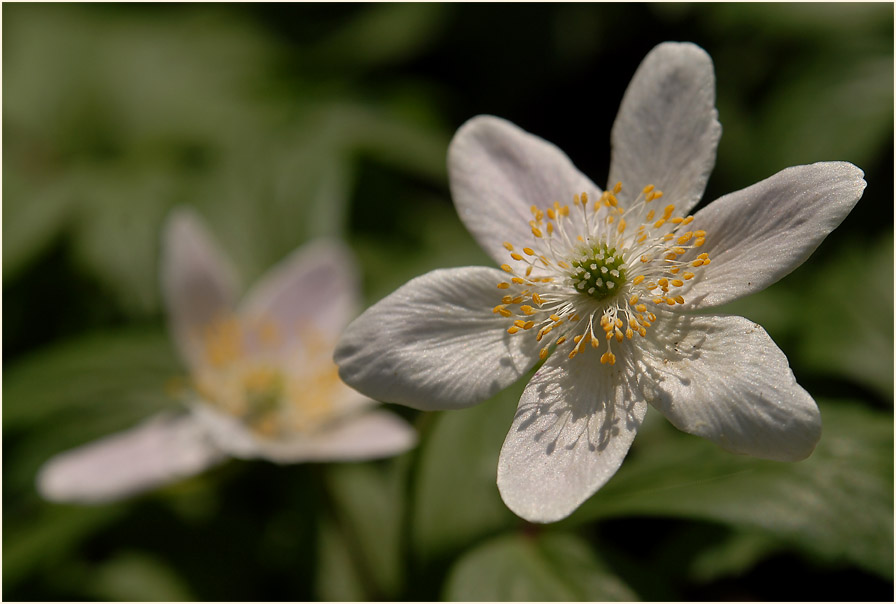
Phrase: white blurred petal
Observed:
(575, 423)
(723, 378)
(757, 235)
(366, 435)
(435, 343)
(667, 131)
(316, 286)
(198, 283)
(498, 171)
(156, 452)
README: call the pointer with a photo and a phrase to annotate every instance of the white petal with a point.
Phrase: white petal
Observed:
(314, 287)
(161, 450)
(575, 423)
(667, 131)
(723, 378)
(435, 343)
(198, 283)
(366, 435)
(757, 235)
(371, 435)
(498, 171)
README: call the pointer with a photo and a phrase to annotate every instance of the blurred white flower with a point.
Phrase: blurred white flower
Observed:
(263, 382)
(601, 285)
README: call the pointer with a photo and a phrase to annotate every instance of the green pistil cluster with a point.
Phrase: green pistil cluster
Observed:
(598, 271)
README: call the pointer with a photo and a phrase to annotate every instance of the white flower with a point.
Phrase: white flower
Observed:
(602, 286)
(263, 380)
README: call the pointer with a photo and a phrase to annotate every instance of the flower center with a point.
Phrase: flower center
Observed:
(598, 270)
(588, 277)
(274, 384)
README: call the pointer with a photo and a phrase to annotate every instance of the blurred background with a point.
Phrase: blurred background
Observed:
(282, 122)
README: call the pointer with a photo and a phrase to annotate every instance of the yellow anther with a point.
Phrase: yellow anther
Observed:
(555, 318)
(506, 268)
(699, 233)
(610, 219)
(512, 330)
(519, 323)
(697, 262)
(703, 256)
(550, 228)
(657, 194)
(527, 310)
(618, 322)
(663, 282)
(564, 210)
(641, 307)
(507, 299)
(645, 258)
(678, 250)
(612, 200)
(536, 231)
(518, 281)
(687, 220)
(657, 300)
(638, 280)
(562, 264)
(679, 299)
(642, 332)
(685, 238)
(608, 358)
(508, 246)
(667, 211)
(705, 262)
(670, 256)
(543, 353)
(616, 188)
(503, 285)
(584, 198)
(529, 325)
(670, 301)
(633, 300)
(629, 333)
(528, 251)
(642, 238)
(650, 215)
(528, 270)
(659, 223)
(575, 200)
(621, 227)
(537, 299)
(517, 300)
(699, 241)
(677, 220)
(647, 189)
(551, 214)
(576, 339)
(651, 317)
(516, 256)
(688, 276)
(677, 282)
(604, 320)
(560, 340)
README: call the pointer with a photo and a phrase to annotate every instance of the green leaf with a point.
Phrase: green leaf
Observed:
(40, 538)
(549, 567)
(123, 372)
(456, 498)
(866, 354)
(838, 504)
(368, 506)
(137, 577)
(338, 579)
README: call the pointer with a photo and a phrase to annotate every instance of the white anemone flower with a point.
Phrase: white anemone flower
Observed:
(602, 286)
(263, 382)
